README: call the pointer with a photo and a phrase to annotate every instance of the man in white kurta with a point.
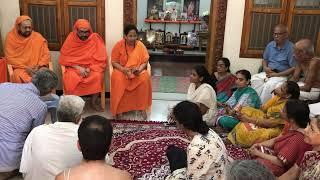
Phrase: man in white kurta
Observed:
(49, 149)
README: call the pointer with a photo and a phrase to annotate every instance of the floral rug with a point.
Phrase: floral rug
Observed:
(139, 148)
(170, 84)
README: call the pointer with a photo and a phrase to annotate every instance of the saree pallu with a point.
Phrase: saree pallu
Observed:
(289, 149)
(240, 98)
(310, 166)
(246, 134)
(224, 88)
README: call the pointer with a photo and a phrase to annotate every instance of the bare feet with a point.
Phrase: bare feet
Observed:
(143, 114)
(95, 103)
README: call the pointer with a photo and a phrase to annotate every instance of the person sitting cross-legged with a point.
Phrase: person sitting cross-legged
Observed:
(206, 155)
(95, 134)
(243, 96)
(258, 125)
(281, 153)
(51, 148)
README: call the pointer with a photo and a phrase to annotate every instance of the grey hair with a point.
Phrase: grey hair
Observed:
(248, 170)
(45, 80)
(70, 107)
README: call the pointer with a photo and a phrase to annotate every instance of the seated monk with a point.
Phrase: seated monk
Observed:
(130, 82)
(26, 50)
(308, 68)
(84, 55)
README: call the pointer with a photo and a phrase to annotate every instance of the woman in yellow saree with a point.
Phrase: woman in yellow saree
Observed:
(262, 124)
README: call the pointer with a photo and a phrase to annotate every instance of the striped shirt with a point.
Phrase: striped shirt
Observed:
(21, 109)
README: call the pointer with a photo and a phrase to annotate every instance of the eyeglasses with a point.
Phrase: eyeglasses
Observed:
(279, 34)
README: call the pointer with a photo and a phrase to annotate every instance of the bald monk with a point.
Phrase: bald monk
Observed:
(84, 55)
(307, 67)
(130, 82)
(26, 50)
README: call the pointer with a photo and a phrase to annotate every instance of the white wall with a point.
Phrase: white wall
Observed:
(174, 28)
(9, 11)
(232, 38)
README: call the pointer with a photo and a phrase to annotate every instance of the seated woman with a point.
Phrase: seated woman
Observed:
(130, 82)
(206, 156)
(258, 125)
(243, 96)
(309, 167)
(281, 153)
(225, 80)
(201, 91)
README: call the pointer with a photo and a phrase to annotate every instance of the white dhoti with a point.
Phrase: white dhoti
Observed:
(264, 86)
(312, 95)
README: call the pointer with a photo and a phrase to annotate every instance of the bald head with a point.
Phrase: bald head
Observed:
(25, 28)
(306, 46)
(280, 34)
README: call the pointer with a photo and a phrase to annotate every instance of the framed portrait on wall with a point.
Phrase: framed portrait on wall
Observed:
(191, 7)
(169, 37)
(173, 5)
(183, 38)
(154, 7)
(150, 36)
(159, 38)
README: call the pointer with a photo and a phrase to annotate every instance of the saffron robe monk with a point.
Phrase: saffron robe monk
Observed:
(26, 50)
(84, 55)
(130, 82)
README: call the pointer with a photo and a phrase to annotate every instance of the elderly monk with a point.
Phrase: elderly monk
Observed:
(130, 82)
(84, 55)
(308, 68)
(26, 50)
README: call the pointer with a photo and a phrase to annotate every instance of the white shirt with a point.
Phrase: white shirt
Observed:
(49, 149)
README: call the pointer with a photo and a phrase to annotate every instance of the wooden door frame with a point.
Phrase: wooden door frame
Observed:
(217, 21)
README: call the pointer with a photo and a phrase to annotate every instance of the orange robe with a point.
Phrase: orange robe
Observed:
(3, 70)
(130, 94)
(23, 52)
(90, 53)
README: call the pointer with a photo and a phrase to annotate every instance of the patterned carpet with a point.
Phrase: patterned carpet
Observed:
(139, 147)
(170, 84)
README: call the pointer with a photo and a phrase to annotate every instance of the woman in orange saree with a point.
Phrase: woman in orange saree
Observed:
(130, 82)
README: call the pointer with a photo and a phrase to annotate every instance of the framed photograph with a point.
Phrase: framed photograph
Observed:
(142, 36)
(162, 15)
(159, 38)
(153, 8)
(183, 16)
(191, 7)
(192, 39)
(173, 5)
(169, 37)
(150, 36)
(183, 38)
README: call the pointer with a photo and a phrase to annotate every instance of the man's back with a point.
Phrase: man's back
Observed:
(94, 170)
(20, 110)
(49, 149)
